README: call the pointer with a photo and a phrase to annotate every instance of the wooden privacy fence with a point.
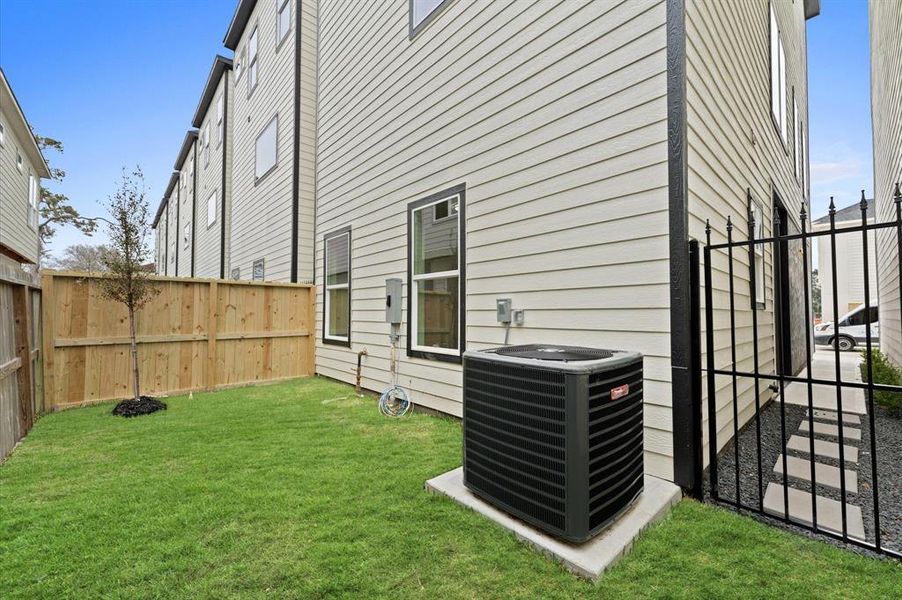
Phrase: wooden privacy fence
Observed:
(20, 361)
(195, 334)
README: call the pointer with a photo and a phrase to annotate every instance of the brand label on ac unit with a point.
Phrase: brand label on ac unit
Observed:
(620, 391)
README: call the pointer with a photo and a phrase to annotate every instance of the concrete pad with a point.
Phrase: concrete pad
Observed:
(829, 512)
(848, 433)
(832, 415)
(822, 448)
(826, 475)
(589, 559)
(824, 397)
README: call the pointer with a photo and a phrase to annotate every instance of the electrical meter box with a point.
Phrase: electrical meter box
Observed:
(503, 310)
(393, 300)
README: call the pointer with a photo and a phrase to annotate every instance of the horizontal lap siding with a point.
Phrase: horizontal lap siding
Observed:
(209, 181)
(886, 99)
(15, 232)
(554, 115)
(186, 200)
(173, 232)
(261, 212)
(734, 145)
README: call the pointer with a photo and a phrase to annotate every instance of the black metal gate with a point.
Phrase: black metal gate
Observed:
(757, 397)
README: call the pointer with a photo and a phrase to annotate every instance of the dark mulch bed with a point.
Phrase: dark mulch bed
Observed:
(889, 451)
(136, 408)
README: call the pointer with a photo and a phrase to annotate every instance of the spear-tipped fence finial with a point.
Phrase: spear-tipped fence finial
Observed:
(864, 203)
(832, 208)
(729, 223)
(898, 195)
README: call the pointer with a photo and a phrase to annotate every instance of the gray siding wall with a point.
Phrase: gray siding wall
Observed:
(15, 231)
(173, 235)
(554, 115)
(186, 198)
(734, 145)
(886, 110)
(262, 210)
(209, 182)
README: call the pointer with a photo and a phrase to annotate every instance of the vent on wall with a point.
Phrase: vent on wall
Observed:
(553, 434)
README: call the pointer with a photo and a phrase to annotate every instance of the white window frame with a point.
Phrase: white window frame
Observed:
(211, 209)
(20, 162)
(281, 6)
(415, 26)
(757, 211)
(207, 145)
(253, 69)
(415, 278)
(33, 187)
(778, 100)
(2, 134)
(336, 286)
(220, 120)
(262, 263)
(258, 175)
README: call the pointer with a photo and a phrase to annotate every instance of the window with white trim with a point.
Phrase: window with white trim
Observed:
(337, 301)
(19, 164)
(206, 145)
(283, 19)
(266, 154)
(2, 134)
(259, 270)
(436, 251)
(778, 104)
(252, 64)
(191, 167)
(211, 209)
(757, 213)
(238, 64)
(421, 12)
(220, 120)
(33, 193)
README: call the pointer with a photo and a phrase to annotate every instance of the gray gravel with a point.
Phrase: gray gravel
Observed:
(889, 451)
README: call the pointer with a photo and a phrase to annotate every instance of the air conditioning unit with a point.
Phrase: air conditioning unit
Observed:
(553, 434)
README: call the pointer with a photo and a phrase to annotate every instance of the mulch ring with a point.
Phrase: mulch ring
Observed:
(136, 408)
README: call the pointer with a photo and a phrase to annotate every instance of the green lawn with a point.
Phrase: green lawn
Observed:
(303, 490)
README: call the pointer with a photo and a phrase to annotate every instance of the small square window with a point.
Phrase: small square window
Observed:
(259, 271)
(236, 273)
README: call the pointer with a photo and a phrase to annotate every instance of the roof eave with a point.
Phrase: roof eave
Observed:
(221, 64)
(35, 156)
(190, 136)
(239, 22)
(812, 8)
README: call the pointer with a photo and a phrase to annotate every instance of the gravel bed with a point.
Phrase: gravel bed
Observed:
(889, 451)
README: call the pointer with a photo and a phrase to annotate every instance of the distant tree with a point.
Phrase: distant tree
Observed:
(81, 257)
(55, 209)
(816, 293)
(125, 279)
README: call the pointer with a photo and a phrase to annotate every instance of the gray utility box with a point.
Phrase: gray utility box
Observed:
(553, 434)
(393, 292)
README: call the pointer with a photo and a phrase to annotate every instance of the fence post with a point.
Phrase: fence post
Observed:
(23, 351)
(311, 331)
(48, 338)
(212, 313)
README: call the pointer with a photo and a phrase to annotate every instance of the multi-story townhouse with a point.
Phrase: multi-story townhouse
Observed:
(272, 209)
(165, 225)
(886, 111)
(186, 198)
(560, 155)
(22, 167)
(213, 196)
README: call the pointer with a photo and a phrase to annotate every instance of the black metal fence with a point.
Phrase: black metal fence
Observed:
(738, 475)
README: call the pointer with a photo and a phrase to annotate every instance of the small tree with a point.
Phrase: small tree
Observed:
(125, 280)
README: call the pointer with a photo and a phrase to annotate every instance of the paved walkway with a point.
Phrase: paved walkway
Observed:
(827, 440)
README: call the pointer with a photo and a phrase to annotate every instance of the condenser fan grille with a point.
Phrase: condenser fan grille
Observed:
(557, 353)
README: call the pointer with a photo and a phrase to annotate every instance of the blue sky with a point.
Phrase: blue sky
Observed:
(118, 81)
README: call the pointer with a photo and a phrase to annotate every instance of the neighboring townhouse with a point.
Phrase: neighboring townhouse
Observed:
(213, 195)
(849, 262)
(22, 167)
(886, 112)
(186, 197)
(271, 228)
(560, 155)
(166, 224)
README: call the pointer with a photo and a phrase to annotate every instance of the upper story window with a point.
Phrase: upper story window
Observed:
(33, 193)
(2, 134)
(422, 12)
(191, 167)
(435, 300)
(252, 64)
(19, 164)
(337, 300)
(238, 63)
(283, 19)
(207, 145)
(211, 209)
(266, 155)
(778, 104)
(220, 120)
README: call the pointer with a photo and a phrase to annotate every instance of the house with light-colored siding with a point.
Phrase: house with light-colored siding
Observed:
(22, 167)
(167, 221)
(186, 203)
(214, 173)
(886, 111)
(274, 73)
(557, 154)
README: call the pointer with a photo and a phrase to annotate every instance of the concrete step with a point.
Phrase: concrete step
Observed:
(832, 415)
(822, 448)
(829, 512)
(826, 475)
(848, 433)
(824, 397)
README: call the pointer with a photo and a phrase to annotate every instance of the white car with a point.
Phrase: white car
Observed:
(852, 330)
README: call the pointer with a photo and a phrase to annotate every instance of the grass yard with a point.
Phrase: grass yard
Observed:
(302, 490)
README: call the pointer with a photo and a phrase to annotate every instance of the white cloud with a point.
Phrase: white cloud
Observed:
(833, 171)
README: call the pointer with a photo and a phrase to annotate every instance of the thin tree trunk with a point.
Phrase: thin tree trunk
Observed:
(131, 330)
